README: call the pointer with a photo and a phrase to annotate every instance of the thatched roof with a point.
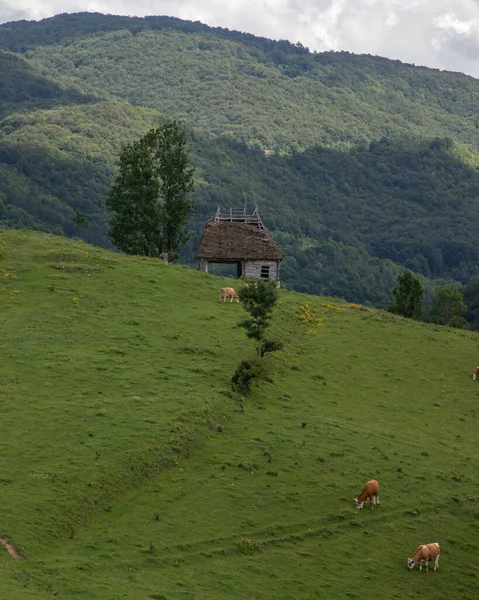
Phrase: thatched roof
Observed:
(224, 241)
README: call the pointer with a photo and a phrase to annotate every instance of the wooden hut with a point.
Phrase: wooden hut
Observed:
(241, 239)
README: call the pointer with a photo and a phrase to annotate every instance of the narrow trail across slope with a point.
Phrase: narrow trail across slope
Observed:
(10, 547)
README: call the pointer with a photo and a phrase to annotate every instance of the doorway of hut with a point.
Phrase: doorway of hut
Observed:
(232, 270)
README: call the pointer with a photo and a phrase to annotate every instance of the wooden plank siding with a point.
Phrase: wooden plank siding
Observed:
(261, 269)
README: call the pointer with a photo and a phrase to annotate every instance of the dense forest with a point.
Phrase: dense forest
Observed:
(360, 166)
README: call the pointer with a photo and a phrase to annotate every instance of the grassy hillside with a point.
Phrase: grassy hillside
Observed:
(131, 470)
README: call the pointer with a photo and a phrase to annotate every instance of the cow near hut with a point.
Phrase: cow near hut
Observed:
(424, 554)
(370, 492)
(475, 375)
(228, 292)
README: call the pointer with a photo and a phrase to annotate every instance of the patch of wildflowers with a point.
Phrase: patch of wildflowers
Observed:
(308, 316)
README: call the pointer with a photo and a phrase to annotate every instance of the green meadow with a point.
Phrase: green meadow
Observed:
(130, 469)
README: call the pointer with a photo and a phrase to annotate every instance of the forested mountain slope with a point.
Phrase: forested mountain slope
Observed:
(274, 94)
(373, 164)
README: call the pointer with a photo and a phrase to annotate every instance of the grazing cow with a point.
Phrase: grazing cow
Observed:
(228, 293)
(424, 554)
(370, 492)
(475, 375)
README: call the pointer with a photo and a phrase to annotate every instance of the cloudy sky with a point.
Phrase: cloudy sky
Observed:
(443, 34)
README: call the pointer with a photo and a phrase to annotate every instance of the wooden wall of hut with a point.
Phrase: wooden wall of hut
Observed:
(251, 269)
(264, 269)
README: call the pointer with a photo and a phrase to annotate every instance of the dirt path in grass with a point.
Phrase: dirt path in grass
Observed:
(10, 548)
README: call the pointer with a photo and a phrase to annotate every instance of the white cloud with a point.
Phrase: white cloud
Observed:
(436, 33)
(449, 21)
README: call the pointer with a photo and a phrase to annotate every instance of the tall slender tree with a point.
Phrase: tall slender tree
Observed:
(448, 306)
(408, 296)
(149, 198)
(259, 299)
(81, 222)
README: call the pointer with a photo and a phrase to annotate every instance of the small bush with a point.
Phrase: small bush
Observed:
(271, 346)
(247, 372)
(458, 322)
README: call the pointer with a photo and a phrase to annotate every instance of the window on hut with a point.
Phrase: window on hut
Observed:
(264, 271)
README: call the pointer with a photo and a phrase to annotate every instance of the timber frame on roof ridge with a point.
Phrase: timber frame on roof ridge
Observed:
(239, 216)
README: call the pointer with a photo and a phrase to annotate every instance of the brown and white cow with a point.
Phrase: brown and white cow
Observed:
(475, 375)
(370, 492)
(228, 292)
(424, 554)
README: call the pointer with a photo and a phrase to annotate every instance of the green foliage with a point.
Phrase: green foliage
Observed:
(53, 161)
(148, 198)
(249, 372)
(408, 296)
(259, 298)
(135, 227)
(471, 300)
(81, 222)
(458, 322)
(24, 88)
(271, 346)
(448, 306)
(279, 95)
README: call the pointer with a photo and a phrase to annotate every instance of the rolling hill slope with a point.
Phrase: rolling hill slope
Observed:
(131, 469)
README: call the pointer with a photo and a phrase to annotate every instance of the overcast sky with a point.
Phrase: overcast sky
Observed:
(443, 34)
